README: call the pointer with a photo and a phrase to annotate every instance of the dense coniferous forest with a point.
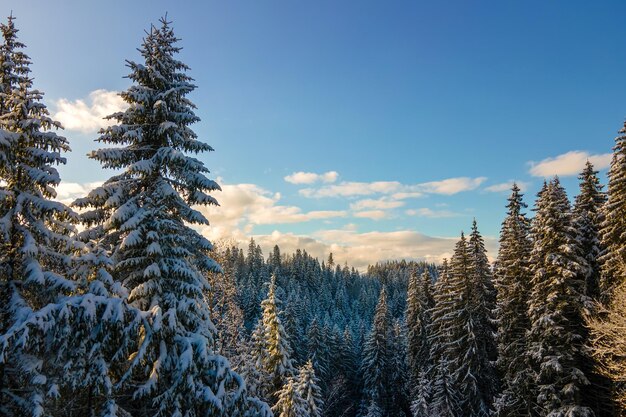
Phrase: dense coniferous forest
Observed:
(117, 306)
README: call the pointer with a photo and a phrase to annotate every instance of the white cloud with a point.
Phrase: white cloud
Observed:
(311, 177)
(67, 192)
(87, 116)
(435, 214)
(405, 195)
(351, 189)
(506, 186)
(244, 206)
(371, 214)
(380, 204)
(452, 186)
(396, 189)
(570, 163)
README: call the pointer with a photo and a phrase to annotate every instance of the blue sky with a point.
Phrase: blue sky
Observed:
(393, 97)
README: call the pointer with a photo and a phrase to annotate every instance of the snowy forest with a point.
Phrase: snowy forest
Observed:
(117, 306)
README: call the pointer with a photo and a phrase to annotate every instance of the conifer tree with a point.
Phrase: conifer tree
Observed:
(277, 362)
(377, 359)
(555, 307)
(419, 304)
(289, 403)
(445, 400)
(309, 390)
(614, 223)
(518, 397)
(142, 217)
(35, 241)
(587, 219)
(469, 355)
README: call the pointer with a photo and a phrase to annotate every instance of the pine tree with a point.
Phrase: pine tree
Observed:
(483, 306)
(377, 359)
(35, 241)
(614, 223)
(518, 397)
(445, 398)
(421, 404)
(277, 362)
(142, 217)
(555, 307)
(420, 302)
(442, 335)
(309, 390)
(468, 357)
(587, 218)
(613, 270)
(289, 403)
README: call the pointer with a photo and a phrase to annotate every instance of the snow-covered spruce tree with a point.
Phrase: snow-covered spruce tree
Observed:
(317, 349)
(512, 277)
(483, 305)
(253, 358)
(309, 390)
(289, 403)
(419, 303)
(420, 405)
(377, 365)
(587, 218)
(555, 307)
(400, 370)
(142, 217)
(442, 334)
(614, 223)
(445, 401)
(468, 355)
(277, 363)
(35, 240)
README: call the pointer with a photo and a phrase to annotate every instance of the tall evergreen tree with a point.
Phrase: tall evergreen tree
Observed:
(377, 359)
(277, 362)
(586, 219)
(468, 356)
(289, 402)
(420, 302)
(309, 390)
(614, 223)
(555, 307)
(518, 397)
(35, 241)
(142, 216)
(442, 331)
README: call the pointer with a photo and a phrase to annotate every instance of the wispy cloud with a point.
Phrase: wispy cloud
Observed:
(435, 214)
(311, 177)
(570, 163)
(379, 204)
(372, 214)
(396, 189)
(506, 186)
(87, 115)
(452, 186)
(351, 189)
